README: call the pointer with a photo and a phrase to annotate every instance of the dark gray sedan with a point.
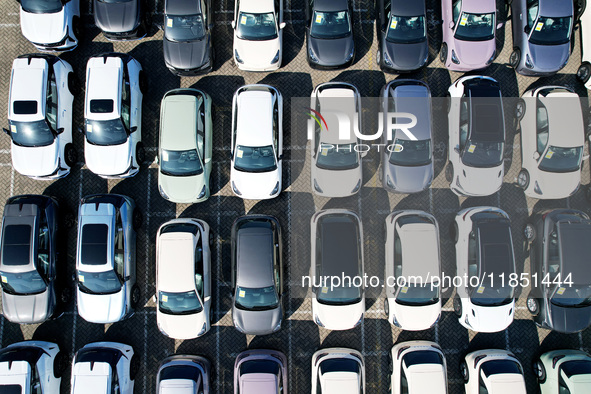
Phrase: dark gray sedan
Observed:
(119, 19)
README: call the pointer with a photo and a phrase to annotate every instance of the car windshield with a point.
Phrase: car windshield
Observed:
(412, 154)
(476, 27)
(256, 299)
(483, 154)
(42, 6)
(572, 296)
(494, 367)
(255, 159)
(31, 134)
(330, 24)
(184, 27)
(180, 163)
(107, 282)
(256, 27)
(562, 159)
(185, 303)
(576, 367)
(551, 31)
(23, 283)
(105, 132)
(337, 157)
(418, 294)
(342, 295)
(16, 244)
(491, 293)
(406, 29)
(11, 389)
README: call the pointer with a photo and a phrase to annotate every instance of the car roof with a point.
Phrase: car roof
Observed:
(258, 383)
(426, 378)
(487, 119)
(20, 215)
(91, 378)
(29, 83)
(340, 245)
(340, 383)
(178, 386)
(179, 122)
(413, 98)
(176, 262)
(495, 246)
(503, 383)
(104, 80)
(339, 99)
(556, 8)
(15, 372)
(565, 118)
(574, 252)
(331, 5)
(408, 8)
(255, 118)
(257, 6)
(254, 253)
(425, 259)
(182, 7)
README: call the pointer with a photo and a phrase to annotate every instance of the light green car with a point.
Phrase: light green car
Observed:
(564, 371)
(185, 144)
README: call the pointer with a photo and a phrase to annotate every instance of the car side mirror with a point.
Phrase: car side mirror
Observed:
(586, 157)
(127, 278)
(133, 129)
(208, 160)
(457, 150)
(210, 26)
(451, 25)
(81, 130)
(6, 131)
(60, 130)
(233, 24)
(282, 25)
(536, 155)
(364, 153)
(526, 30)
(280, 157)
(500, 25)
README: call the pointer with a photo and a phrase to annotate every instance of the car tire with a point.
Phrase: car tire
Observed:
(70, 155)
(529, 232)
(584, 72)
(60, 364)
(519, 109)
(449, 172)
(73, 84)
(523, 179)
(137, 219)
(134, 366)
(515, 58)
(443, 53)
(143, 82)
(533, 305)
(457, 306)
(454, 231)
(135, 296)
(386, 308)
(464, 371)
(539, 371)
(140, 153)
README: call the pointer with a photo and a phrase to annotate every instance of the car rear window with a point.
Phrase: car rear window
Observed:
(494, 367)
(181, 372)
(16, 246)
(28, 107)
(259, 366)
(339, 365)
(10, 389)
(577, 367)
(94, 244)
(422, 357)
(102, 106)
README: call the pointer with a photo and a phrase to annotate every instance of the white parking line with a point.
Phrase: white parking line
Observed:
(146, 282)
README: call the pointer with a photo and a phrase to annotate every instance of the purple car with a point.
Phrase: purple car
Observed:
(469, 28)
(260, 372)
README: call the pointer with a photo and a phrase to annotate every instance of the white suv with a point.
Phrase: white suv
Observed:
(51, 25)
(337, 371)
(492, 371)
(417, 367)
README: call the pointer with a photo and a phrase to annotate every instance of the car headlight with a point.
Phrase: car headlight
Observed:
(203, 329)
(275, 189)
(162, 193)
(454, 58)
(528, 62)
(235, 189)
(357, 187)
(387, 60)
(537, 188)
(318, 322)
(202, 194)
(312, 55)
(316, 187)
(351, 54)
(276, 58)
(389, 182)
(492, 58)
(237, 56)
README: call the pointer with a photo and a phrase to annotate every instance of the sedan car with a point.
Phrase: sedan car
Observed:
(257, 142)
(336, 163)
(417, 367)
(106, 258)
(187, 45)
(329, 34)
(541, 36)
(338, 370)
(40, 116)
(184, 374)
(51, 25)
(115, 86)
(185, 146)
(564, 371)
(257, 275)
(258, 34)
(260, 372)
(485, 301)
(492, 371)
(552, 142)
(476, 137)
(407, 163)
(560, 298)
(119, 19)
(183, 278)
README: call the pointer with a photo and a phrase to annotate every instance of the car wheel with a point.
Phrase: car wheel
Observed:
(457, 306)
(533, 305)
(523, 179)
(143, 82)
(77, 27)
(515, 58)
(529, 232)
(454, 231)
(379, 57)
(65, 295)
(464, 371)
(449, 172)
(386, 308)
(137, 219)
(443, 53)
(539, 371)
(60, 364)
(70, 155)
(519, 109)
(134, 366)
(584, 72)
(73, 85)
(135, 296)
(140, 153)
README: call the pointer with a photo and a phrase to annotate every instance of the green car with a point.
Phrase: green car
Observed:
(184, 153)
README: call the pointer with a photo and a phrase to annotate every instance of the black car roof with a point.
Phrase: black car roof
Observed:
(487, 120)
(408, 7)
(182, 7)
(495, 246)
(574, 251)
(340, 245)
(331, 5)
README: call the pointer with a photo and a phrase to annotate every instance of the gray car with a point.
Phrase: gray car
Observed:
(257, 275)
(184, 374)
(541, 36)
(260, 372)
(119, 19)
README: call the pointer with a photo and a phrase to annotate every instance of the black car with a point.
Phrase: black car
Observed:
(560, 298)
(329, 34)
(119, 19)
(187, 37)
(402, 35)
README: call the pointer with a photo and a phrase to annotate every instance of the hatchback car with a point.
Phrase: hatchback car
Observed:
(417, 367)
(115, 86)
(413, 302)
(184, 374)
(51, 25)
(329, 34)
(104, 367)
(476, 137)
(183, 278)
(185, 146)
(258, 34)
(552, 142)
(584, 71)
(564, 371)
(337, 250)
(338, 370)
(541, 36)
(40, 116)
(257, 275)
(257, 142)
(260, 372)
(119, 19)
(336, 169)
(560, 298)
(492, 371)
(407, 163)
(485, 302)
(106, 258)
(187, 45)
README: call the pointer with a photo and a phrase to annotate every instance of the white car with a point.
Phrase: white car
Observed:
(40, 116)
(257, 142)
(417, 367)
(552, 142)
(485, 301)
(338, 371)
(258, 34)
(336, 164)
(183, 278)
(564, 371)
(476, 137)
(412, 259)
(584, 71)
(115, 85)
(103, 368)
(492, 371)
(51, 25)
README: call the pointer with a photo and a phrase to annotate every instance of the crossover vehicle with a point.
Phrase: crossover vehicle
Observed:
(541, 36)
(185, 146)
(257, 142)
(412, 254)
(337, 250)
(417, 367)
(485, 302)
(104, 367)
(258, 34)
(40, 116)
(119, 19)
(560, 298)
(115, 86)
(584, 71)
(184, 374)
(187, 44)
(564, 371)
(492, 371)
(407, 161)
(106, 258)
(476, 137)
(336, 169)
(338, 370)
(183, 278)
(329, 34)
(260, 372)
(51, 25)
(552, 142)
(257, 275)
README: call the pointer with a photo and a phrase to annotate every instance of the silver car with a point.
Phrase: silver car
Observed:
(184, 374)
(260, 372)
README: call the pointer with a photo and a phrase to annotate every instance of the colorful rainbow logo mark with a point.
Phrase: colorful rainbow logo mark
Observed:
(317, 117)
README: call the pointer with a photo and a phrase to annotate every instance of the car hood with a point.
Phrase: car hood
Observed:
(338, 317)
(336, 183)
(490, 318)
(39, 161)
(44, 28)
(557, 185)
(116, 17)
(102, 309)
(107, 160)
(474, 54)
(416, 318)
(27, 309)
(332, 52)
(410, 179)
(181, 189)
(480, 181)
(181, 326)
(186, 55)
(255, 185)
(407, 57)
(549, 58)
(569, 320)
(257, 322)
(256, 54)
